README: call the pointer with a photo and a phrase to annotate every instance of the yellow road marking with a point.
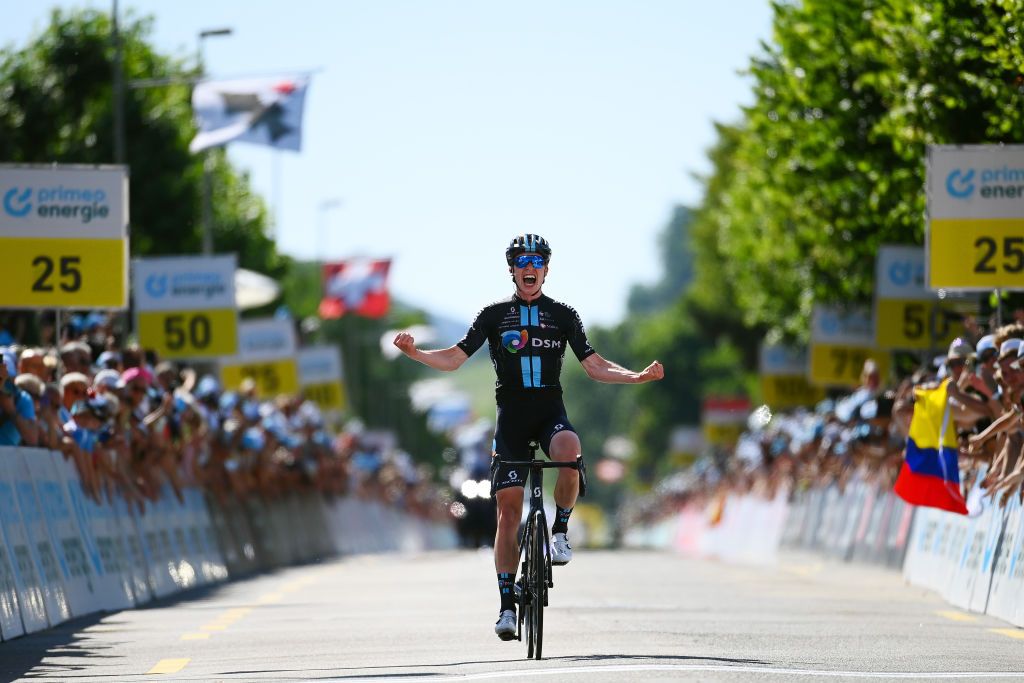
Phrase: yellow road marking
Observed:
(1009, 632)
(953, 615)
(169, 666)
(213, 626)
(803, 569)
(234, 614)
(268, 598)
(195, 636)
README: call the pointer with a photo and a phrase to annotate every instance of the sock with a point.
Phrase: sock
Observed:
(561, 524)
(508, 595)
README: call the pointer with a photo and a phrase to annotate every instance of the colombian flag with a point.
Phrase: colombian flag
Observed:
(930, 474)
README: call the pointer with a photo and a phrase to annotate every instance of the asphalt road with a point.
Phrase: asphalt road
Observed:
(614, 616)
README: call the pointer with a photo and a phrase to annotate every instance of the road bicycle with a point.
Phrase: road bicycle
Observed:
(534, 549)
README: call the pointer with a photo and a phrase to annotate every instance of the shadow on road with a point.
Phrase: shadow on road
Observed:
(419, 669)
(24, 657)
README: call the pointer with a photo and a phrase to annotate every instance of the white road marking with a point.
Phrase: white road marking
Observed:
(708, 668)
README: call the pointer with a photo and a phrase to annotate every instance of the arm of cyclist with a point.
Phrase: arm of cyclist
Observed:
(448, 359)
(603, 370)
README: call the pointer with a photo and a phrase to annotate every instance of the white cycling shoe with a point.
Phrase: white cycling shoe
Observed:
(505, 627)
(561, 551)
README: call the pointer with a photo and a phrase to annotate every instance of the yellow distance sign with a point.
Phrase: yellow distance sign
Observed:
(976, 253)
(189, 334)
(272, 377)
(919, 325)
(327, 395)
(841, 364)
(722, 434)
(789, 391)
(63, 273)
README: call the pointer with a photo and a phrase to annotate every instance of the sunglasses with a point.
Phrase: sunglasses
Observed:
(956, 362)
(524, 260)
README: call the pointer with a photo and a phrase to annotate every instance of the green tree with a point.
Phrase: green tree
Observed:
(828, 162)
(56, 105)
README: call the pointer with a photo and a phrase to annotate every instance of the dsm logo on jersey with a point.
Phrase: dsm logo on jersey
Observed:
(514, 340)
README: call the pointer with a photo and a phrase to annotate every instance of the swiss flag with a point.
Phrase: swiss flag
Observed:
(356, 286)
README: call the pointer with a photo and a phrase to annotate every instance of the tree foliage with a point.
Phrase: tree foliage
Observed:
(826, 164)
(828, 161)
(56, 105)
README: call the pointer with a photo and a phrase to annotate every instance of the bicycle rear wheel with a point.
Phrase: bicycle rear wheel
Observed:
(538, 582)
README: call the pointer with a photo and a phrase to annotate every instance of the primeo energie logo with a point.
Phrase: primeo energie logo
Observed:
(78, 203)
(987, 183)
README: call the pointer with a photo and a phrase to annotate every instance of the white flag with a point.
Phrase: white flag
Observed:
(265, 111)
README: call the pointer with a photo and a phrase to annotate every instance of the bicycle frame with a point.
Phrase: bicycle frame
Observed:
(534, 551)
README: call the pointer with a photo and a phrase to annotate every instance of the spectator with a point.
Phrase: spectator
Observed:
(76, 357)
(17, 409)
(32, 361)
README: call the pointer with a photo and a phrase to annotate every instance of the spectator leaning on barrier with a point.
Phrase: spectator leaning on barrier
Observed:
(17, 409)
(48, 434)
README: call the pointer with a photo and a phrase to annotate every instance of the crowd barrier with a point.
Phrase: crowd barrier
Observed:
(975, 562)
(62, 555)
(744, 529)
(861, 523)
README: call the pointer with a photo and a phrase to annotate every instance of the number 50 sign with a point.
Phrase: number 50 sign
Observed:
(185, 306)
(64, 236)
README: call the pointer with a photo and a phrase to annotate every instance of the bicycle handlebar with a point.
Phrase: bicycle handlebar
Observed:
(578, 464)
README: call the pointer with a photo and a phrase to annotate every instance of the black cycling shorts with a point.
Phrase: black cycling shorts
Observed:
(520, 422)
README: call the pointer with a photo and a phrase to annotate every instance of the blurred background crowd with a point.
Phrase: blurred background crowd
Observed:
(141, 427)
(863, 433)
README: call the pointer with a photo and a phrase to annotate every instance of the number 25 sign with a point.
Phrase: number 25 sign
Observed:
(64, 236)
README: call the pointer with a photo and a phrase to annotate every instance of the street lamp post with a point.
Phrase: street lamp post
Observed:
(207, 157)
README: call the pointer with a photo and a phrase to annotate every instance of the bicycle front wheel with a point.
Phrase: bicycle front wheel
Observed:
(538, 581)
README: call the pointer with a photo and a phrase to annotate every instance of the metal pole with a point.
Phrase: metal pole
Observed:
(207, 203)
(57, 336)
(118, 90)
(207, 215)
(275, 190)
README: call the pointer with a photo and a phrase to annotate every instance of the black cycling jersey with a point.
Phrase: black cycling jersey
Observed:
(527, 342)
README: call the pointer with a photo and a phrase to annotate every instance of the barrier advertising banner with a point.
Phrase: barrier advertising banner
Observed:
(64, 236)
(15, 535)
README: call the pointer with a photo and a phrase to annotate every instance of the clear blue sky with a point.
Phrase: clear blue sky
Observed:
(446, 127)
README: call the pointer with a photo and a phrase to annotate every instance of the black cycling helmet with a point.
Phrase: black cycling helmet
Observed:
(529, 243)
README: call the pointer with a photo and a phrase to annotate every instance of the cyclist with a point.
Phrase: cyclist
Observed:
(527, 334)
